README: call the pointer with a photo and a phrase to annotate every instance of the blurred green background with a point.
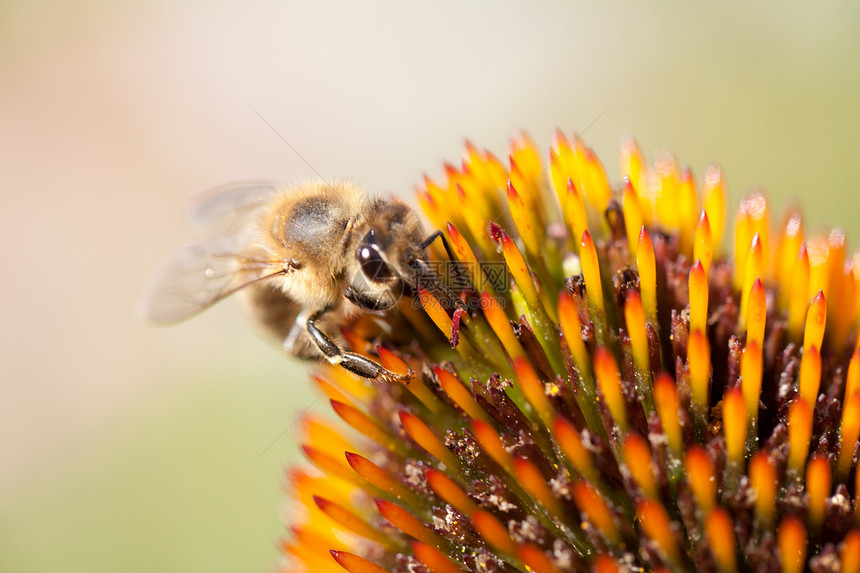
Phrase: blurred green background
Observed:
(129, 448)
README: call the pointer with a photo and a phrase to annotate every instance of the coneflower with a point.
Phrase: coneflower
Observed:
(621, 396)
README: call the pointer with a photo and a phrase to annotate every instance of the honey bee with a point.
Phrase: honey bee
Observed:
(306, 258)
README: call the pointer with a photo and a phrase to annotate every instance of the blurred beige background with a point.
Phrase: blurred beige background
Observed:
(128, 448)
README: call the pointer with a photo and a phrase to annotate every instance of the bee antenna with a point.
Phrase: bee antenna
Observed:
(429, 279)
(438, 234)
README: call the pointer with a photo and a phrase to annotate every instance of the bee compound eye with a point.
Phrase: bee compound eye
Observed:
(373, 266)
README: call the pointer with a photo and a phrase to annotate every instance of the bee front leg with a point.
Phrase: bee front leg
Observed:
(353, 362)
(366, 302)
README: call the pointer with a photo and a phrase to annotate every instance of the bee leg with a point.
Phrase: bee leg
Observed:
(363, 301)
(353, 362)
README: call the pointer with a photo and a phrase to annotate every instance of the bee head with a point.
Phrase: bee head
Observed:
(386, 253)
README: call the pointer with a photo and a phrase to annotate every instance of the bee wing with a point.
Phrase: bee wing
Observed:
(230, 205)
(198, 275)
